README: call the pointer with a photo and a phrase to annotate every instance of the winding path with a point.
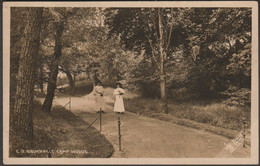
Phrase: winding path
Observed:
(144, 137)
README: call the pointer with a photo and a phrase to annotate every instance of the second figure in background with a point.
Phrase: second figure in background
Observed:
(118, 97)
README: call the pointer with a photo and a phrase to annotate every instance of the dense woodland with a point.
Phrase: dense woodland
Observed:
(201, 53)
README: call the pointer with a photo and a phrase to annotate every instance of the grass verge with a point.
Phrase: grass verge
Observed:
(64, 134)
(212, 117)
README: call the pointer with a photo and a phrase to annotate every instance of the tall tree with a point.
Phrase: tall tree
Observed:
(155, 30)
(17, 29)
(80, 36)
(21, 116)
(60, 16)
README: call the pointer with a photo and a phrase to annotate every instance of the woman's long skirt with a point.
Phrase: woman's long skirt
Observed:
(119, 104)
(99, 103)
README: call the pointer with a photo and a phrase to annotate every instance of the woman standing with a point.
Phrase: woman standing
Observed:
(118, 96)
(99, 93)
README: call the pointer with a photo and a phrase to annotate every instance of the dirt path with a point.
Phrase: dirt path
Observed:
(144, 137)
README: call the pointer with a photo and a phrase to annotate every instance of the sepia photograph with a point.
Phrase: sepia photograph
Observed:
(130, 82)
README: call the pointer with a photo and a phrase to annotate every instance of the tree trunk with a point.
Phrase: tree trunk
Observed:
(69, 76)
(40, 71)
(88, 76)
(73, 85)
(41, 79)
(54, 68)
(94, 79)
(21, 115)
(164, 104)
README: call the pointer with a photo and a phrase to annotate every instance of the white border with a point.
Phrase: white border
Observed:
(64, 161)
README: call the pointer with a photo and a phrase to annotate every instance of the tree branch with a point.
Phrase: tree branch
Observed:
(154, 23)
(153, 52)
(43, 38)
(162, 35)
(169, 38)
(57, 16)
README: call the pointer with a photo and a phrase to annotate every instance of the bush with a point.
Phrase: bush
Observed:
(150, 89)
(109, 83)
(61, 81)
(237, 97)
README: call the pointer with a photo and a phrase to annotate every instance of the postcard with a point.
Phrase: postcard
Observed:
(130, 82)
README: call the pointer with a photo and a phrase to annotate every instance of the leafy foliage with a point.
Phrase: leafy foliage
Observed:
(122, 44)
(222, 34)
(237, 97)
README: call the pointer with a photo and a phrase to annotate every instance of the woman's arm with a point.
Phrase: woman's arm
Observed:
(100, 91)
(121, 91)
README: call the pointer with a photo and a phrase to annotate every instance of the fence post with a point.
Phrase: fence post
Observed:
(49, 153)
(100, 118)
(119, 134)
(70, 104)
(244, 132)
